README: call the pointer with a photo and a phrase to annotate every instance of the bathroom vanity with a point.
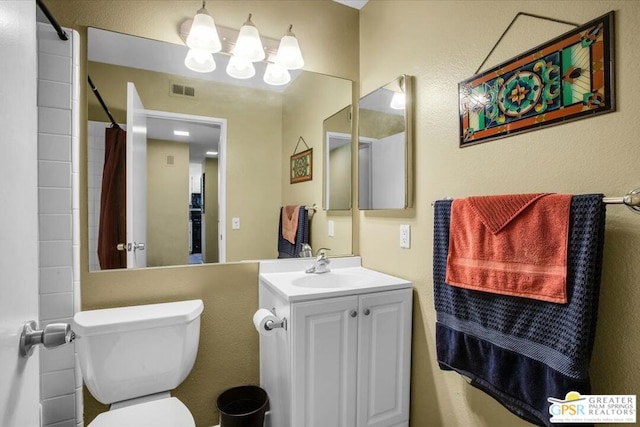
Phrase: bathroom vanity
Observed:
(343, 357)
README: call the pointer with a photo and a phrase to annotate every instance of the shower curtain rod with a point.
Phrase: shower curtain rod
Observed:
(104, 106)
(61, 33)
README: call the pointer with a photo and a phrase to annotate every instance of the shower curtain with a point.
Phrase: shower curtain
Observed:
(113, 213)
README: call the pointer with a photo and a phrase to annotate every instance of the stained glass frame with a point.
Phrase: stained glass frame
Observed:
(568, 78)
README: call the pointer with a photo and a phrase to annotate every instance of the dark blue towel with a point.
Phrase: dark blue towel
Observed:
(287, 249)
(518, 350)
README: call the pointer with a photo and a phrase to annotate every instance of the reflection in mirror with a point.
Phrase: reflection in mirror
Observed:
(385, 147)
(230, 200)
(337, 160)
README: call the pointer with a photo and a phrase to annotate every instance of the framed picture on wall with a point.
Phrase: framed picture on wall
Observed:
(302, 166)
(567, 78)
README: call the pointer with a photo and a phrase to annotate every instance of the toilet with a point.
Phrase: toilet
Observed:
(132, 357)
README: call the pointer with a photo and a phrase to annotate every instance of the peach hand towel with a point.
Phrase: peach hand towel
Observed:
(511, 245)
(290, 222)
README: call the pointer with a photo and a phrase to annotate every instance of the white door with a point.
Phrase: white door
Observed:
(19, 377)
(324, 362)
(136, 179)
(384, 358)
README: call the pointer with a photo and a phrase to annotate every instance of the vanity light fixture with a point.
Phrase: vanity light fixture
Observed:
(276, 75)
(200, 61)
(289, 55)
(244, 47)
(203, 34)
(240, 68)
(203, 42)
(249, 46)
(398, 101)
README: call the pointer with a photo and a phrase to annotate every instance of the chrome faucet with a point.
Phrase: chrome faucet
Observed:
(321, 263)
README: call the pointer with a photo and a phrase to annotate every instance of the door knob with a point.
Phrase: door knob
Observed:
(53, 335)
(138, 246)
(121, 247)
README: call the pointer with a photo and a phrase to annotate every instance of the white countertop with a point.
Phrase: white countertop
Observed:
(347, 277)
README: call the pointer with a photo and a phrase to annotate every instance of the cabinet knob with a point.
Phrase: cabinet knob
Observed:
(353, 313)
(366, 311)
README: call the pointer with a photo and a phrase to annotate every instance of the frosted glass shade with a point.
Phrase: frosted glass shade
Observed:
(398, 101)
(249, 45)
(203, 34)
(289, 55)
(276, 75)
(240, 68)
(200, 61)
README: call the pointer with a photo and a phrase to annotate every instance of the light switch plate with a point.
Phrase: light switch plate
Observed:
(405, 236)
(235, 223)
(330, 228)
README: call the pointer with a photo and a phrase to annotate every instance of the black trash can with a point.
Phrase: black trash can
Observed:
(243, 406)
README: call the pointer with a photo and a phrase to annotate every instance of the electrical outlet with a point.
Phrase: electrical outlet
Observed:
(405, 236)
(235, 223)
(330, 228)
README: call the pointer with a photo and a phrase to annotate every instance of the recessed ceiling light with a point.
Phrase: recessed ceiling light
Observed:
(181, 133)
(212, 153)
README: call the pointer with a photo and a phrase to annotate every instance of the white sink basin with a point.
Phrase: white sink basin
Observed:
(347, 277)
(339, 278)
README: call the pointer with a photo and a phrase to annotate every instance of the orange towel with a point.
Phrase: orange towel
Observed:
(290, 222)
(511, 245)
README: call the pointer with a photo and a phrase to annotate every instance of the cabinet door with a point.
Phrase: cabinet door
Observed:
(384, 358)
(324, 351)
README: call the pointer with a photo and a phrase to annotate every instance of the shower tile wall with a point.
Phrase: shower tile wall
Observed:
(59, 220)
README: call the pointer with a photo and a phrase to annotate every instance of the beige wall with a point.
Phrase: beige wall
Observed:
(340, 176)
(228, 356)
(301, 119)
(211, 209)
(167, 203)
(442, 43)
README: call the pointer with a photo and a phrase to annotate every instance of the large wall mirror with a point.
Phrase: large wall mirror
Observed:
(337, 160)
(215, 156)
(385, 147)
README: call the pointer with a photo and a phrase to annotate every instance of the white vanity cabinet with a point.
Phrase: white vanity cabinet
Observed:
(350, 360)
(344, 358)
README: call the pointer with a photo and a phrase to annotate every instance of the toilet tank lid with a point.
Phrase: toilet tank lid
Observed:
(121, 319)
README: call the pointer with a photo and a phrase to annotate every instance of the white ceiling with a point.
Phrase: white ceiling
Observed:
(356, 4)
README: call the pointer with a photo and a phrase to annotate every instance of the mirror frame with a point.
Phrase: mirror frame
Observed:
(405, 83)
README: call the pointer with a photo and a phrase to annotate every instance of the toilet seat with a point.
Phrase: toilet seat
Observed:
(169, 412)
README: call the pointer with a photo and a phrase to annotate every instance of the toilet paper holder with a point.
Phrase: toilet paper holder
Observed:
(271, 325)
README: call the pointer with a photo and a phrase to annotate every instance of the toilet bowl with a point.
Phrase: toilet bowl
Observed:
(132, 357)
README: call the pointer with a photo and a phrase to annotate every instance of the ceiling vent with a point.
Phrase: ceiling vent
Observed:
(181, 90)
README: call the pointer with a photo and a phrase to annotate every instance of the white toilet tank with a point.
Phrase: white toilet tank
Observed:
(136, 351)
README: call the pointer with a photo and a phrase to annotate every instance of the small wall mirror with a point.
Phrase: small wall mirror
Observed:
(385, 143)
(337, 160)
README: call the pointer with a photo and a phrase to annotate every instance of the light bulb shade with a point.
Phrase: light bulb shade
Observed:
(240, 68)
(289, 55)
(276, 75)
(398, 101)
(200, 61)
(249, 45)
(203, 34)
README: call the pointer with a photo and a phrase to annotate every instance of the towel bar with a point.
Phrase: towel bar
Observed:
(631, 200)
